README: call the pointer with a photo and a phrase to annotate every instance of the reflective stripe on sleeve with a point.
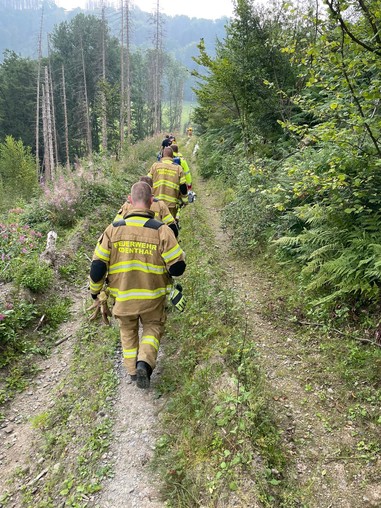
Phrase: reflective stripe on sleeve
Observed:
(168, 219)
(95, 287)
(102, 253)
(172, 253)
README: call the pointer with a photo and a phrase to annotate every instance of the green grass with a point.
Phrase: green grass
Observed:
(217, 422)
(76, 431)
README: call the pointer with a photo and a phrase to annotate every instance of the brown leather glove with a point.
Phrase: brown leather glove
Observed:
(100, 307)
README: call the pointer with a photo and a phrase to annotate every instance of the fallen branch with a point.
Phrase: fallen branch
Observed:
(354, 457)
(307, 323)
(32, 482)
(60, 341)
(40, 322)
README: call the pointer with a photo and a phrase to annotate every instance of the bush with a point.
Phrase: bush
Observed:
(17, 242)
(56, 311)
(18, 177)
(14, 317)
(34, 275)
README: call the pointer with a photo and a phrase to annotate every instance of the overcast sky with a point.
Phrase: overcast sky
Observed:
(210, 9)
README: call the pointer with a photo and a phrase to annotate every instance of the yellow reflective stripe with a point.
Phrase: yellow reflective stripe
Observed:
(167, 219)
(130, 353)
(167, 183)
(150, 339)
(182, 180)
(136, 264)
(172, 253)
(118, 217)
(136, 221)
(137, 294)
(96, 286)
(101, 252)
(166, 197)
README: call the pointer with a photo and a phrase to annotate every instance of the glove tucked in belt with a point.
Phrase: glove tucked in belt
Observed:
(177, 298)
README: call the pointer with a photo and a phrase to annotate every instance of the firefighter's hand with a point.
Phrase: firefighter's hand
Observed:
(100, 307)
(177, 298)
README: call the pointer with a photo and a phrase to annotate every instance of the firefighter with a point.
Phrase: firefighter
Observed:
(138, 255)
(169, 183)
(183, 164)
(161, 210)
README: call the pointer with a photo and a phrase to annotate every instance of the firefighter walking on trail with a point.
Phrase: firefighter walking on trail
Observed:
(160, 209)
(138, 255)
(169, 182)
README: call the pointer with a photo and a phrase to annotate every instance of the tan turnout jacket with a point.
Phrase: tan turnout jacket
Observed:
(160, 209)
(167, 177)
(137, 250)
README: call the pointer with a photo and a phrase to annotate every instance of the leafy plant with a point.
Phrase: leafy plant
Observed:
(35, 275)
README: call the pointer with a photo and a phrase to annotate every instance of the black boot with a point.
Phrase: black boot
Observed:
(143, 373)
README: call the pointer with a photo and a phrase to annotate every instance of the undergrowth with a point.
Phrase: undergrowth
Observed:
(220, 441)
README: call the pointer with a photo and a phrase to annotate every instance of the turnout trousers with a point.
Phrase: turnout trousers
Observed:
(146, 348)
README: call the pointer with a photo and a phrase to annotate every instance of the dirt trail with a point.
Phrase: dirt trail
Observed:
(313, 425)
(135, 433)
(17, 435)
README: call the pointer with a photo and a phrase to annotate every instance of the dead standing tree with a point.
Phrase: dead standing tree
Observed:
(103, 89)
(86, 105)
(125, 73)
(122, 98)
(156, 69)
(38, 97)
(128, 69)
(65, 118)
(47, 129)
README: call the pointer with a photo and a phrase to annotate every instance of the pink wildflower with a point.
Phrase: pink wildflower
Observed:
(2, 317)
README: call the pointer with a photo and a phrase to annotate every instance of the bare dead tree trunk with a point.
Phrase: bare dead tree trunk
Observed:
(121, 121)
(103, 92)
(65, 118)
(38, 97)
(47, 167)
(87, 112)
(128, 70)
(158, 44)
(48, 114)
(53, 111)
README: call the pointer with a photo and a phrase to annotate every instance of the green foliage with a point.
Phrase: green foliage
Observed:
(35, 275)
(56, 311)
(15, 317)
(18, 78)
(218, 423)
(79, 419)
(17, 242)
(18, 177)
(310, 196)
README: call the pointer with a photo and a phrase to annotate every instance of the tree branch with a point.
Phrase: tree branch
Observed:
(345, 28)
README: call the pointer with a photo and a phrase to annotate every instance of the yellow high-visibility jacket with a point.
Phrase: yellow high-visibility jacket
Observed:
(137, 255)
(184, 165)
(169, 183)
